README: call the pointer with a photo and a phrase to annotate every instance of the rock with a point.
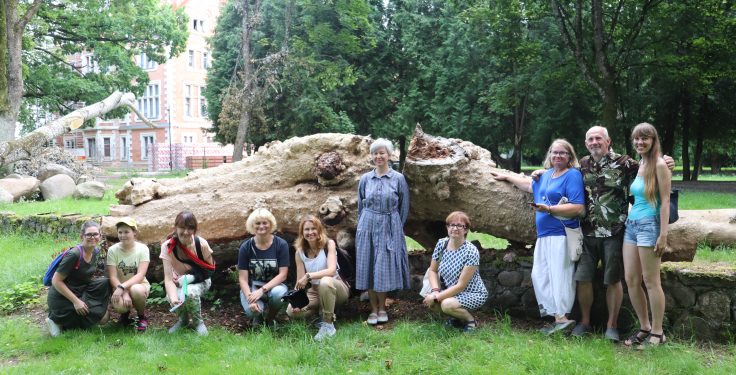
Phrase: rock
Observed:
(119, 210)
(90, 189)
(139, 190)
(52, 169)
(509, 257)
(5, 197)
(20, 187)
(510, 278)
(684, 296)
(715, 306)
(57, 187)
(82, 179)
(14, 175)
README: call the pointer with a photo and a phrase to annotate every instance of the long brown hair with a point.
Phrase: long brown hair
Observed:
(184, 219)
(301, 243)
(647, 130)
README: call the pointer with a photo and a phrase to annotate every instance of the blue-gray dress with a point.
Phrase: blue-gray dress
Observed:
(381, 262)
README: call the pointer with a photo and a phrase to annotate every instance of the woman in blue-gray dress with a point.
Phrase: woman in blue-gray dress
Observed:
(382, 264)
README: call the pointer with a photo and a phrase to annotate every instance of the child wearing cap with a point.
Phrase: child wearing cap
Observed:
(127, 264)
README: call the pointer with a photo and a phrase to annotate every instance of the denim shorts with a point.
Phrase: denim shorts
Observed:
(642, 232)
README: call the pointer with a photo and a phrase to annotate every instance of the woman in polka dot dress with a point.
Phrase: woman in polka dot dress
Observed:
(456, 284)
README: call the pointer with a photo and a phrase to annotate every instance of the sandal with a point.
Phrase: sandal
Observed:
(382, 317)
(661, 340)
(469, 326)
(636, 339)
(453, 323)
(372, 319)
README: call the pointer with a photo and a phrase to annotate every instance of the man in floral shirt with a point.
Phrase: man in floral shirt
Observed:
(607, 177)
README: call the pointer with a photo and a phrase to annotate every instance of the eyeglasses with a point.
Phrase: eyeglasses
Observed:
(559, 153)
(91, 235)
(456, 226)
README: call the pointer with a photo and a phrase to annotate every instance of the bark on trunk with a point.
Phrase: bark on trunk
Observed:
(686, 109)
(27, 145)
(318, 174)
(251, 17)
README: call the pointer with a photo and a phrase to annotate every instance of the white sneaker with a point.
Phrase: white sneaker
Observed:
(201, 329)
(180, 323)
(54, 328)
(325, 330)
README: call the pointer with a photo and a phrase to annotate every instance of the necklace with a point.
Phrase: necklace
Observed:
(556, 174)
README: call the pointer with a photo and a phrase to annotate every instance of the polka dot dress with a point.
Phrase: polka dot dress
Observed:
(451, 263)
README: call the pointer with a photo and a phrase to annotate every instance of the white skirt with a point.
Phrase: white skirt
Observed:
(552, 276)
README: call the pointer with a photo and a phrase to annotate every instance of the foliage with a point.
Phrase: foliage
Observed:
(314, 65)
(19, 296)
(157, 295)
(116, 31)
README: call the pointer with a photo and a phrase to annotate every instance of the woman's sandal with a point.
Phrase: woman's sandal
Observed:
(661, 340)
(636, 339)
(470, 326)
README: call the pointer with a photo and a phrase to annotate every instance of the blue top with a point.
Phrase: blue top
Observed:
(642, 207)
(549, 191)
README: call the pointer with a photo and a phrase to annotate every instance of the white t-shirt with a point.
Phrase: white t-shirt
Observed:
(126, 262)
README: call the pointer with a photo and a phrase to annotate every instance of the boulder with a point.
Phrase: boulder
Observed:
(90, 189)
(20, 187)
(5, 197)
(57, 187)
(52, 169)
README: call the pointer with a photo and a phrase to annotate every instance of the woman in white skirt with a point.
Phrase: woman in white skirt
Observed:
(552, 272)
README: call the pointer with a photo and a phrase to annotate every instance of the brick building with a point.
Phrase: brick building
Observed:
(173, 101)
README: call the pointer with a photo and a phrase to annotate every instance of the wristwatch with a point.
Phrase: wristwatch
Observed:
(121, 286)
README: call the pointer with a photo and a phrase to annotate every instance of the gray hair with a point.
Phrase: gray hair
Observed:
(601, 128)
(382, 143)
(90, 224)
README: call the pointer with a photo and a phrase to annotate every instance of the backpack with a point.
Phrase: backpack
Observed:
(55, 264)
(346, 265)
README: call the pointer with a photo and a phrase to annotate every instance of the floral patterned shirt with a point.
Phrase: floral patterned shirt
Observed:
(606, 188)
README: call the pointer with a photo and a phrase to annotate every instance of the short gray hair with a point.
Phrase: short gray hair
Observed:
(382, 143)
(601, 128)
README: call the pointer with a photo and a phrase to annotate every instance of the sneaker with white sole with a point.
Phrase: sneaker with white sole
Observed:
(581, 330)
(54, 328)
(563, 326)
(178, 325)
(325, 330)
(612, 334)
(372, 319)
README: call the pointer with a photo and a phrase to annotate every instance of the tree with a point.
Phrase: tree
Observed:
(601, 35)
(39, 36)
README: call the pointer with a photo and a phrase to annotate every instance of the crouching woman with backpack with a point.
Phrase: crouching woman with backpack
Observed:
(317, 270)
(76, 298)
(188, 265)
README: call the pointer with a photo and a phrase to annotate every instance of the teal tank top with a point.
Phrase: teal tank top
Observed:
(642, 207)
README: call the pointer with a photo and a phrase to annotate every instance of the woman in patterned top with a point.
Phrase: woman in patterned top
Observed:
(456, 284)
(381, 260)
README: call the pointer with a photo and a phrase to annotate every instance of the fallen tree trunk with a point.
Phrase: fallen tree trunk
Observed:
(318, 174)
(28, 145)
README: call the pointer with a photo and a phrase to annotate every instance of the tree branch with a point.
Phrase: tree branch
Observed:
(30, 13)
(63, 61)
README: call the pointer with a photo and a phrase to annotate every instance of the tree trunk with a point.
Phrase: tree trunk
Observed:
(686, 108)
(28, 145)
(699, 136)
(319, 174)
(668, 124)
(251, 18)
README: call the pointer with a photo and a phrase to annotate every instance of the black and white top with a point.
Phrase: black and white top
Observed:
(451, 264)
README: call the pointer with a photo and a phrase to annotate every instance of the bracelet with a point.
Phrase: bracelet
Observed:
(309, 277)
(121, 286)
(435, 289)
(265, 290)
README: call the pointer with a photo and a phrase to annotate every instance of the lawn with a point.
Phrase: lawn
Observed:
(705, 200)
(408, 348)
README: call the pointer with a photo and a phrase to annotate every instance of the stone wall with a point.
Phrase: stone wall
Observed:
(700, 298)
(68, 225)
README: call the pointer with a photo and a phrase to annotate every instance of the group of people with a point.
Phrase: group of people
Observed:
(593, 194)
(563, 193)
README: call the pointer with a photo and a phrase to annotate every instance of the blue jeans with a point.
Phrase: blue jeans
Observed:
(272, 298)
(642, 232)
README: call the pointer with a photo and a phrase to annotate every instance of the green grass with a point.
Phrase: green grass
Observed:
(26, 256)
(486, 240)
(408, 348)
(708, 254)
(705, 200)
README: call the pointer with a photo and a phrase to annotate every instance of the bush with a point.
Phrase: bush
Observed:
(19, 296)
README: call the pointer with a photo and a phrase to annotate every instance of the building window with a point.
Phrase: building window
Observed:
(187, 100)
(69, 143)
(198, 25)
(146, 146)
(202, 103)
(205, 60)
(91, 148)
(124, 152)
(145, 63)
(190, 62)
(89, 65)
(106, 148)
(148, 105)
(188, 139)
